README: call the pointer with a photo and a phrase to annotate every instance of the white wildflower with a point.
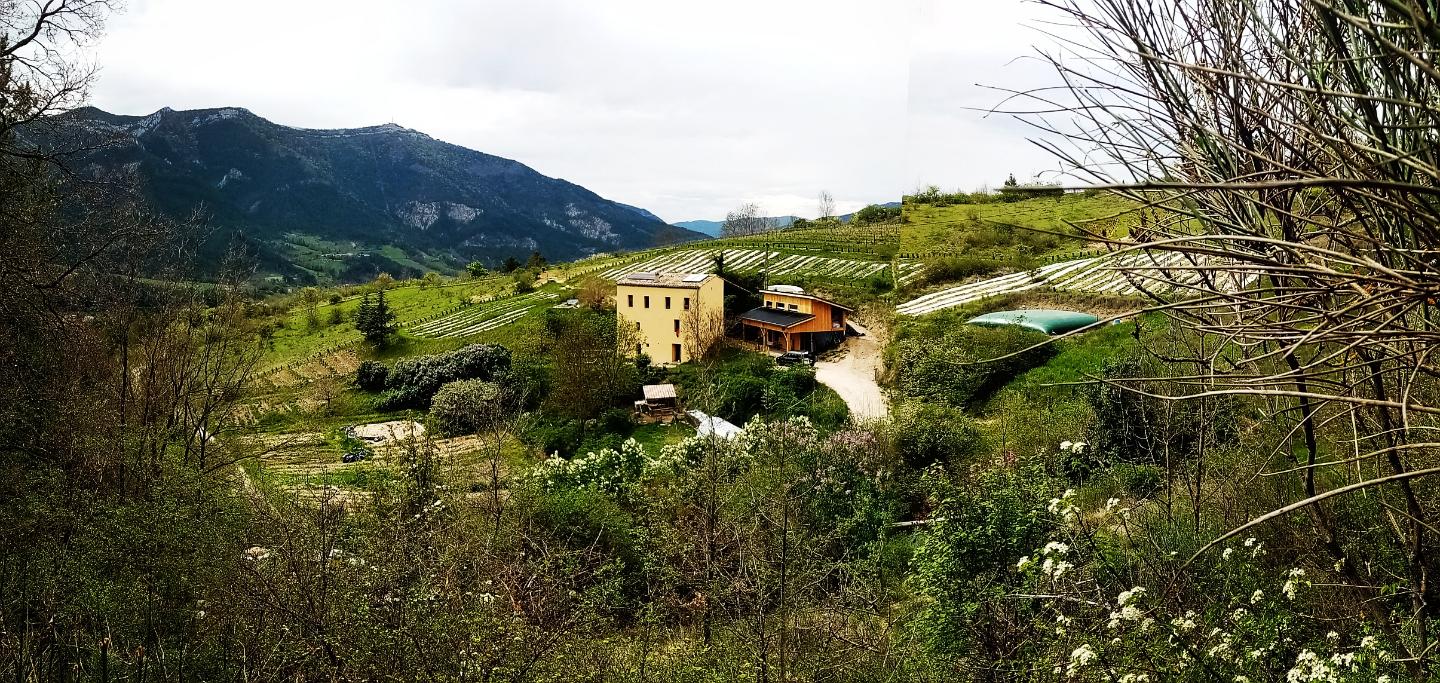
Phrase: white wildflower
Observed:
(1228, 552)
(1257, 596)
(1126, 596)
(1310, 667)
(1024, 562)
(1055, 547)
(1367, 642)
(1110, 504)
(1081, 658)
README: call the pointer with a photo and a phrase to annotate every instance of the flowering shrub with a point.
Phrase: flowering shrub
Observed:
(1252, 621)
(613, 471)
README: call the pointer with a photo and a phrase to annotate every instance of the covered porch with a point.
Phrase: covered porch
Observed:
(772, 328)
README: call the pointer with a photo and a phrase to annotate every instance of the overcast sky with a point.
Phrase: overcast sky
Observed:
(684, 108)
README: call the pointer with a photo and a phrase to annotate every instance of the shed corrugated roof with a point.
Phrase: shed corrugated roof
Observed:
(1040, 320)
(658, 391)
(775, 316)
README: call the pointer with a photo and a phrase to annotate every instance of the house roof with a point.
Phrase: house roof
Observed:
(685, 280)
(655, 392)
(811, 297)
(776, 316)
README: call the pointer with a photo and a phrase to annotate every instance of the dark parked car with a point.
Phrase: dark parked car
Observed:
(795, 358)
(356, 455)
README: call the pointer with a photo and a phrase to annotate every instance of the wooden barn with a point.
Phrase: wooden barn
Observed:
(791, 320)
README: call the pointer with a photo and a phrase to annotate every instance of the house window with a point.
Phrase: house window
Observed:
(647, 301)
(667, 303)
(677, 326)
(630, 300)
(687, 303)
(675, 352)
(639, 350)
(637, 324)
(768, 304)
(793, 307)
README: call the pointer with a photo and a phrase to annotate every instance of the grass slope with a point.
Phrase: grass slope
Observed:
(948, 229)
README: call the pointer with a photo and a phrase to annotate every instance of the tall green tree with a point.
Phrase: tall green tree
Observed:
(375, 320)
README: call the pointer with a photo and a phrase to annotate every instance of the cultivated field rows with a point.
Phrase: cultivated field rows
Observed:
(482, 318)
(1168, 274)
(754, 260)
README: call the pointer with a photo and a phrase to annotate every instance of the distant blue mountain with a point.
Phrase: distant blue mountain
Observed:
(712, 228)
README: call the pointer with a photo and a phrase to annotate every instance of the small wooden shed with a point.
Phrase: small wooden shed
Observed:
(660, 401)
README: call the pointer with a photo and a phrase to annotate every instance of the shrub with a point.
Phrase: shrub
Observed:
(413, 381)
(371, 375)
(1131, 426)
(554, 435)
(614, 471)
(950, 268)
(931, 433)
(958, 367)
(616, 421)
(1141, 481)
(465, 406)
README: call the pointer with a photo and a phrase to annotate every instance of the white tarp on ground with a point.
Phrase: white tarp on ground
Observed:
(705, 425)
(381, 432)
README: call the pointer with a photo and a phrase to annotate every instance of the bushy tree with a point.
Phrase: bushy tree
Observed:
(371, 374)
(466, 406)
(414, 381)
(875, 213)
(929, 433)
(958, 367)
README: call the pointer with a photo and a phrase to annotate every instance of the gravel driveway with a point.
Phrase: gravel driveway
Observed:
(850, 371)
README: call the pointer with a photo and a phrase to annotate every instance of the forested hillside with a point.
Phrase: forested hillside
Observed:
(342, 205)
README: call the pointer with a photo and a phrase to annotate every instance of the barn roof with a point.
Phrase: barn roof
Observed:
(775, 316)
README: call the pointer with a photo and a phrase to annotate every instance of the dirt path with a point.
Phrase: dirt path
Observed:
(850, 371)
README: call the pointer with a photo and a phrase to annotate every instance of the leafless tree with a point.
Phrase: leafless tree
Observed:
(1287, 150)
(826, 208)
(745, 221)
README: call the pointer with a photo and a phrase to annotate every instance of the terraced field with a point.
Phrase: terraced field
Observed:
(1131, 274)
(479, 318)
(754, 260)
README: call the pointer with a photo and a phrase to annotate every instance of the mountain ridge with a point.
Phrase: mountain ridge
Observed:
(344, 204)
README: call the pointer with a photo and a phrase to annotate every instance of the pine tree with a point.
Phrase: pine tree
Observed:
(375, 320)
(365, 313)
